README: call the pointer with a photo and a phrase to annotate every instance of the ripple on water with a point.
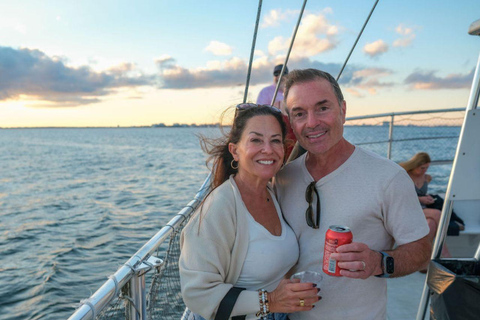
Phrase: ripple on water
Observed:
(90, 243)
(62, 205)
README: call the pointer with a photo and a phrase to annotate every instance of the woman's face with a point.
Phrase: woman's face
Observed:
(260, 151)
(422, 169)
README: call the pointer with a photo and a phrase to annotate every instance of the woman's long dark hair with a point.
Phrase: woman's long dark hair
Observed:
(218, 148)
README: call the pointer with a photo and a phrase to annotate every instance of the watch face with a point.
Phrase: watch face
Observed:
(389, 265)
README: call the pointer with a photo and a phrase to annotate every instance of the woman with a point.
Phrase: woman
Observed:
(238, 237)
(417, 168)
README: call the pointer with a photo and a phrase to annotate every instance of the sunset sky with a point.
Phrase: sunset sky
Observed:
(134, 63)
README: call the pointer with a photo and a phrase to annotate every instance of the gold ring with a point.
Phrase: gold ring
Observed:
(302, 303)
(364, 265)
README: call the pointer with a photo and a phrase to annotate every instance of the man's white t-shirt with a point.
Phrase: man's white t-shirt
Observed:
(369, 194)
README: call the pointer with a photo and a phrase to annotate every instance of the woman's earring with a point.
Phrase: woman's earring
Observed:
(233, 166)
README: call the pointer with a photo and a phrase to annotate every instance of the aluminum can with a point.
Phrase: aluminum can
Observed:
(335, 236)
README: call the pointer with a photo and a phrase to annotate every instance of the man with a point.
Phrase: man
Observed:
(266, 95)
(359, 189)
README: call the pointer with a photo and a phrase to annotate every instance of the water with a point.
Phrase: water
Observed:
(75, 204)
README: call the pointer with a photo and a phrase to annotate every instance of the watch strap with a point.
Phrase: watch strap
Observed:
(385, 273)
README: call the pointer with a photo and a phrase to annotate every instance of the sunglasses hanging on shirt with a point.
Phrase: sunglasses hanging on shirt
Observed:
(309, 213)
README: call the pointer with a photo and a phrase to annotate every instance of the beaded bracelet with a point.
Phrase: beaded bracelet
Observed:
(263, 301)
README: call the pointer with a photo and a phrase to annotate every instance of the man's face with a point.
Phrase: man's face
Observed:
(315, 115)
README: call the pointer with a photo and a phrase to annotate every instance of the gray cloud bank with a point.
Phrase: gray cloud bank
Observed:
(176, 77)
(32, 73)
(428, 80)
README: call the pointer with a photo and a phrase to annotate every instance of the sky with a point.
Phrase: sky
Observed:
(138, 63)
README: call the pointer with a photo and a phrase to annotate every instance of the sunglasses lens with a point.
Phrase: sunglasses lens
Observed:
(309, 192)
(309, 212)
(308, 217)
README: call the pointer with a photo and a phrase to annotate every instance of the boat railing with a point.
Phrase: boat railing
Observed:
(132, 273)
(399, 132)
(124, 294)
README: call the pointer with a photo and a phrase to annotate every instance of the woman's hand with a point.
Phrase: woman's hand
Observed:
(426, 200)
(288, 295)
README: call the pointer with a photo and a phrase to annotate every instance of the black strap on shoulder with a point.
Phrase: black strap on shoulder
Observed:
(226, 305)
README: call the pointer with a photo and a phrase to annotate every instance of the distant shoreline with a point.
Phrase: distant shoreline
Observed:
(126, 127)
(204, 126)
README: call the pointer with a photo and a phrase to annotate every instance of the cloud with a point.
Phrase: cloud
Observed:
(233, 72)
(21, 28)
(407, 36)
(403, 42)
(369, 80)
(354, 79)
(355, 93)
(165, 62)
(31, 74)
(427, 80)
(219, 48)
(403, 30)
(275, 17)
(217, 74)
(332, 68)
(375, 48)
(315, 35)
(259, 53)
(230, 73)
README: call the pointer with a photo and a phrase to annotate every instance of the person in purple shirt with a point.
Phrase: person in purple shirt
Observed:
(266, 95)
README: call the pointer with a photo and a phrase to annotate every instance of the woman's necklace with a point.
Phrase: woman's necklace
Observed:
(240, 183)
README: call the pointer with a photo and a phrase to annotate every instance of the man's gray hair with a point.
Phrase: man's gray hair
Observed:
(307, 75)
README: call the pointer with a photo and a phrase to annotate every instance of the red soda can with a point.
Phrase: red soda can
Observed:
(335, 236)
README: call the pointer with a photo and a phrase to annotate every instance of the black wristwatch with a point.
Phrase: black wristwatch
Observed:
(388, 265)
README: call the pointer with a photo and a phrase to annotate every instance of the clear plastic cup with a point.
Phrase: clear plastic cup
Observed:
(308, 276)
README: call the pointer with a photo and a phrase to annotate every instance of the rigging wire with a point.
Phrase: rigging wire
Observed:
(358, 38)
(252, 51)
(289, 50)
(291, 46)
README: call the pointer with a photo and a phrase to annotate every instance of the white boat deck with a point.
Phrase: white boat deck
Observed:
(404, 296)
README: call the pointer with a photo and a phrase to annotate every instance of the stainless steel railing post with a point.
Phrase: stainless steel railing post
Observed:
(390, 137)
(137, 308)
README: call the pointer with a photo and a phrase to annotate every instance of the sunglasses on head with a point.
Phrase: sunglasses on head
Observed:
(309, 213)
(246, 106)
